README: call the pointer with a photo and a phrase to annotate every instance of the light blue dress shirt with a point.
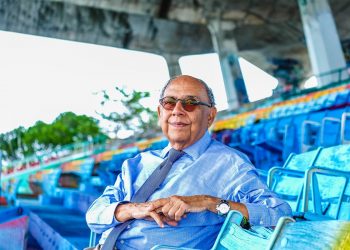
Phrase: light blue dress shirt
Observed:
(208, 168)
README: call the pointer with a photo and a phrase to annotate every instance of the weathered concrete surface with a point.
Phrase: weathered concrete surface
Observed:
(105, 27)
(257, 29)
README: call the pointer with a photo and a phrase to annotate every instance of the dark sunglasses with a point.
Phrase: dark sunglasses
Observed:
(189, 104)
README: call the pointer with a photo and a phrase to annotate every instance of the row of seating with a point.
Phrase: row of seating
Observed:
(336, 97)
(269, 134)
(38, 159)
(270, 141)
(325, 99)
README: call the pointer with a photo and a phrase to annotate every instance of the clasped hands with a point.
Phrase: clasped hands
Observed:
(165, 210)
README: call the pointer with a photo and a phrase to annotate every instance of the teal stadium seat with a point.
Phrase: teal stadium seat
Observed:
(319, 185)
(288, 180)
(328, 183)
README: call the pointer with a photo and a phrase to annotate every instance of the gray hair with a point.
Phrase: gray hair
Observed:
(204, 84)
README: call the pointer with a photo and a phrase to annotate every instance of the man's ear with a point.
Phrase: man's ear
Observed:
(159, 114)
(211, 116)
(158, 111)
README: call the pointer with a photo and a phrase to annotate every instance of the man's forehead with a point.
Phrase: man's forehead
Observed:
(183, 96)
(186, 87)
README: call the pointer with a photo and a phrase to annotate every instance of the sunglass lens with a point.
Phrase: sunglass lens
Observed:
(169, 103)
(189, 104)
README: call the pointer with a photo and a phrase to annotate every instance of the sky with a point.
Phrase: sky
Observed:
(43, 77)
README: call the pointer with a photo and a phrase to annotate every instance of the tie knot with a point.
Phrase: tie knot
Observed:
(175, 154)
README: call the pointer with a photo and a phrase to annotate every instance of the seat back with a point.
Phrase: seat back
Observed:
(331, 190)
(288, 181)
(330, 132)
(310, 134)
(232, 236)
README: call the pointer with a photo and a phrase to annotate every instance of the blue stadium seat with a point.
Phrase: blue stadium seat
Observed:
(330, 133)
(328, 181)
(279, 137)
(325, 177)
(288, 180)
(310, 135)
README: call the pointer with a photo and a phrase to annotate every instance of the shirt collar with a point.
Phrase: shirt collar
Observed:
(195, 150)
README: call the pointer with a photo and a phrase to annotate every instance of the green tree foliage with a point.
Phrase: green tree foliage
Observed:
(130, 114)
(67, 128)
(11, 145)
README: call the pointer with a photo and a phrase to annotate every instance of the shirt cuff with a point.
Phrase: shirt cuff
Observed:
(259, 215)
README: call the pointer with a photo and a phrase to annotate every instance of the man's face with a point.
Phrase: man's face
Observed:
(181, 127)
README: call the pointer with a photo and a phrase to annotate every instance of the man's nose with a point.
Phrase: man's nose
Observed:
(178, 109)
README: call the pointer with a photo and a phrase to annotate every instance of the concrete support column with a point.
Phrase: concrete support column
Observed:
(173, 64)
(229, 75)
(322, 40)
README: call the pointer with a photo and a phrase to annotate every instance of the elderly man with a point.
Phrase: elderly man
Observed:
(206, 181)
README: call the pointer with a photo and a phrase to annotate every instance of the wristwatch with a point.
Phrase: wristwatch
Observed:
(223, 208)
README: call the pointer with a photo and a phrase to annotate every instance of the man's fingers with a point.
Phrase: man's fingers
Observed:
(168, 221)
(179, 213)
(159, 210)
(159, 203)
(166, 208)
(171, 223)
(156, 218)
(173, 210)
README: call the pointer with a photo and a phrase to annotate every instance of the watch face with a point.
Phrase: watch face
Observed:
(224, 208)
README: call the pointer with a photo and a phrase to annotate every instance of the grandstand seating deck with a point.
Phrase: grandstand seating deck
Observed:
(298, 135)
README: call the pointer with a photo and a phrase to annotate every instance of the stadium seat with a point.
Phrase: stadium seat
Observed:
(325, 177)
(287, 181)
(310, 135)
(328, 182)
(330, 132)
